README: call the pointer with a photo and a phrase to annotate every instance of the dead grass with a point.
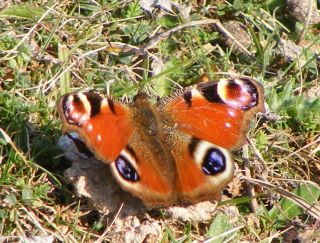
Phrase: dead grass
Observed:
(50, 48)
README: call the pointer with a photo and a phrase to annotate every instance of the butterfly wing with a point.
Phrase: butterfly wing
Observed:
(177, 152)
(146, 171)
(203, 169)
(209, 119)
(217, 112)
(104, 125)
(120, 136)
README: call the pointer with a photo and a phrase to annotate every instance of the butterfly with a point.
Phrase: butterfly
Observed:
(177, 150)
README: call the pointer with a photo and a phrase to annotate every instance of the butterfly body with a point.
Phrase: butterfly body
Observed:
(175, 151)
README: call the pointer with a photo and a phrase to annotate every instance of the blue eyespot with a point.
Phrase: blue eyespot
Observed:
(214, 162)
(126, 170)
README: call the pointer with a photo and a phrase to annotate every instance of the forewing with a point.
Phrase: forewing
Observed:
(218, 112)
(104, 125)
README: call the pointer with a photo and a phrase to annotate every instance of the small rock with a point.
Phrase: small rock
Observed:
(94, 180)
(132, 229)
(300, 10)
(240, 32)
(199, 212)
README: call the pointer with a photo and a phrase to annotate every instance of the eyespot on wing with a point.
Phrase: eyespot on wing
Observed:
(104, 125)
(218, 112)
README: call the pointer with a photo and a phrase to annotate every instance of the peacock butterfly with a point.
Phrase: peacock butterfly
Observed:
(174, 151)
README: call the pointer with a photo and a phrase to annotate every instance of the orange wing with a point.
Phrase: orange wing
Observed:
(209, 119)
(216, 112)
(146, 174)
(104, 125)
(203, 169)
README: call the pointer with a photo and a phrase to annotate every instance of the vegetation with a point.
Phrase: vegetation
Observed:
(48, 48)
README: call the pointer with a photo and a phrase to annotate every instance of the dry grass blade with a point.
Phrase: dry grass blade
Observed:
(215, 22)
(223, 234)
(48, 48)
(317, 140)
(9, 141)
(102, 237)
(30, 31)
(250, 187)
(312, 210)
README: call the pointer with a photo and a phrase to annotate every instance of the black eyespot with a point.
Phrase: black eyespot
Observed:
(214, 162)
(126, 170)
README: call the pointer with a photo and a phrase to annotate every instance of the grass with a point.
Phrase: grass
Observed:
(48, 49)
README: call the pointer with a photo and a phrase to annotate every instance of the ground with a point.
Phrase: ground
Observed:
(49, 48)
